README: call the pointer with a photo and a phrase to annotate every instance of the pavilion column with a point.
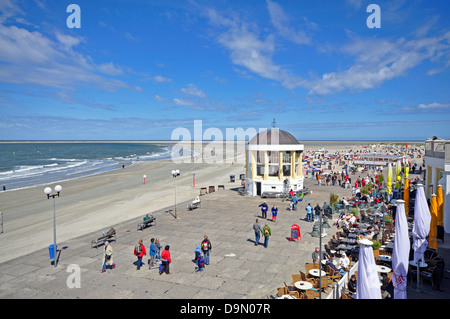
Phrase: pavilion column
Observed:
(247, 171)
(293, 175)
(266, 165)
(253, 162)
(300, 164)
(280, 166)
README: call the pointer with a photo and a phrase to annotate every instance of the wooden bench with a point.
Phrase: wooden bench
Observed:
(194, 204)
(101, 240)
(146, 222)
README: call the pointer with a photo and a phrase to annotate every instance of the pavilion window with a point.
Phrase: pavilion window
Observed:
(286, 169)
(260, 170)
(286, 157)
(274, 165)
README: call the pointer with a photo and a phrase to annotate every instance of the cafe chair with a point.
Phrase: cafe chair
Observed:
(296, 277)
(345, 295)
(291, 291)
(412, 273)
(306, 278)
(282, 291)
(323, 283)
(332, 274)
(311, 294)
(330, 251)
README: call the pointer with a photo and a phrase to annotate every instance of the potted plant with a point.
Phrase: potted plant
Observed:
(334, 199)
(354, 211)
(376, 245)
(387, 222)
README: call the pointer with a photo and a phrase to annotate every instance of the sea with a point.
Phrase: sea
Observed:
(24, 165)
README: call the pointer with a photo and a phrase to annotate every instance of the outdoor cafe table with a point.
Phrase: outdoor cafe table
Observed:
(344, 247)
(303, 285)
(385, 258)
(421, 264)
(383, 269)
(315, 272)
(286, 297)
(348, 241)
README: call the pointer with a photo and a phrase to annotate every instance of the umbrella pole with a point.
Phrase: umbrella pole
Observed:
(418, 276)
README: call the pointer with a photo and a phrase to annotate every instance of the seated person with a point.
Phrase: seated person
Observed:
(352, 285)
(344, 260)
(146, 218)
(111, 232)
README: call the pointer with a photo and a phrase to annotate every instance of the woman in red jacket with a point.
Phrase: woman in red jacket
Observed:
(165, 260)
(139, 252)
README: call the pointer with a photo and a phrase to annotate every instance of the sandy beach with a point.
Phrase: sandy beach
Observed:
(100, 201)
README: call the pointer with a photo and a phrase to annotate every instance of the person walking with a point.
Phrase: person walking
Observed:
(206, 248)
(158, 248)
(309, 213)
(266, 233)
(152, 251)
(165, 261)
(258, 231)
(108, 257)
(274, 213)
(199, 259)
(264, 209)
(139, 252)
(317, 211)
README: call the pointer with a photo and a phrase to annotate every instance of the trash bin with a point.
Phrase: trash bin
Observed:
(51, 251)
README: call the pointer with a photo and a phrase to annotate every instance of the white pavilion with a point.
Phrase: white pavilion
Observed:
(273, 163)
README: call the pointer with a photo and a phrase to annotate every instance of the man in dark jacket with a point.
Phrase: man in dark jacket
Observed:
(264, 209)
(206, 248)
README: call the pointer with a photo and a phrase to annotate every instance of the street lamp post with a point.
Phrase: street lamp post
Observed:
(320, 255)
(47, 191)
(175, 174)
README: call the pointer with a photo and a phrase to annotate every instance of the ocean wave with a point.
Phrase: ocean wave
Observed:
(70, 162)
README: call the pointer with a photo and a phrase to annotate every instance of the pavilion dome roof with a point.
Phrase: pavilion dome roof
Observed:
(274, 136)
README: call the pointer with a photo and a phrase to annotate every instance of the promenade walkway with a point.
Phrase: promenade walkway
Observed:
(238, 268)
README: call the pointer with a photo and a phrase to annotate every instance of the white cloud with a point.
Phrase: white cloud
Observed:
(379, 60)
(110, 69)
(248, 50)
(68, 40)
(32, 58)
(161, 79)
(193, 90)
(280, 21)
(182, 102)
(435, 106)
(158, 98)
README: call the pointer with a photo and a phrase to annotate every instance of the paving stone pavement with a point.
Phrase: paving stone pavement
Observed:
(238, 268)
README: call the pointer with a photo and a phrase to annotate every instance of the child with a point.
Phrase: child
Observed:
(200, 264)
(274, 213)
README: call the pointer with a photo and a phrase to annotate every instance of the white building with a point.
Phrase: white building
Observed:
(273, 163)
(437, 162)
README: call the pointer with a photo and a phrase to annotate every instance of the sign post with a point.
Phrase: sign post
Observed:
(295, 233)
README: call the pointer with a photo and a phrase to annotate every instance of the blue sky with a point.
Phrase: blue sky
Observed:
(137, 70)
